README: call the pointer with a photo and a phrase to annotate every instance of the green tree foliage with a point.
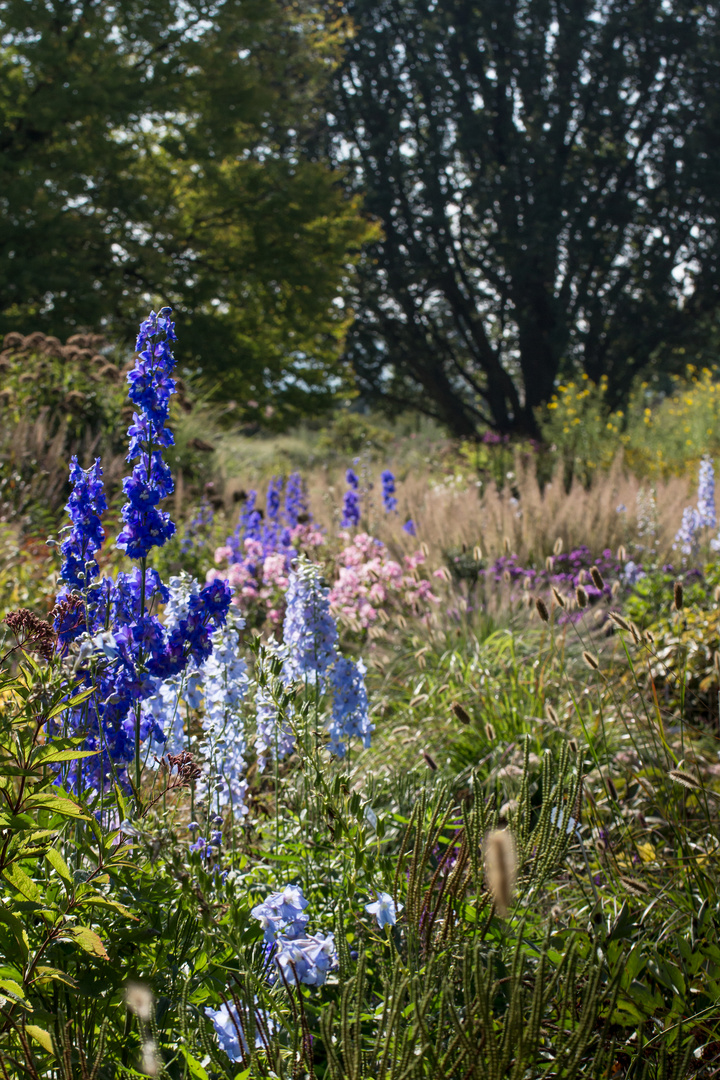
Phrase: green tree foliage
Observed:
(154, 151)
(544, 172)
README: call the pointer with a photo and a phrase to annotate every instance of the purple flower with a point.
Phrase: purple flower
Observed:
(85, 507)
(150, 389)
(409, 527)
(282, 914)
(706, 494)
(350, 712)
(309, 630)
(306, 960)
(388, 491)
(351, 509)
(384, 910)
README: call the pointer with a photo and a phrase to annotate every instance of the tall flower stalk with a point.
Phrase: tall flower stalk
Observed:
(122, 649)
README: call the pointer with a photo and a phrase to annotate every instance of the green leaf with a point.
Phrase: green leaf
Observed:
(88, 940)
(20, 881)
(48, 755)
(105, 901)
(11, 987)
(57, 804)
(70, 703)
(45, 973)
(41, 1036)
(196, 1069)
(58, 864)
(16, 928)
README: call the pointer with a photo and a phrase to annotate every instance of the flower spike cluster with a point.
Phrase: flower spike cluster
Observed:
(388, 491)
(151, 387)
(301, 959)
(85, 507)
(351, 502)
(122, 651)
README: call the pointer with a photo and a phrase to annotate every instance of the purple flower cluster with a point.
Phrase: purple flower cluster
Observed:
(309, 630)
(694, 520)
(350, 711)
(351, 502)
(310, 654)
(200, 524)
(567, 571)
(151, 386)
(127, 652)
(85, 507)
(388, 491)
(271, 532)
(301, 959)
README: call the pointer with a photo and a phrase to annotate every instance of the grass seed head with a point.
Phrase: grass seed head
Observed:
(500, 868)
(559, 598)
(619, 621)
(590, 660)
(678, 595)
(541, 608)
(558, 546)
(460, 713)
(597, 578)
(685, 778)
(490, 732)
(581, 596)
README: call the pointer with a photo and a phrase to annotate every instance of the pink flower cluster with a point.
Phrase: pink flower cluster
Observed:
(260, 578)
(368, 581)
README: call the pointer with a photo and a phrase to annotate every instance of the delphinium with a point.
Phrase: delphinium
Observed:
(85, 508)
(274, 736)
(351, 501)
(350, 715)
(259, 553)
(300, 957)
(309, 657)
(223, 747)
(121, 649)
(200, 525)
(696, 519)
(388, 491)
(309, 630)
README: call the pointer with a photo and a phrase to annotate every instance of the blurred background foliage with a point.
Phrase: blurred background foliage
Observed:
(449, 209)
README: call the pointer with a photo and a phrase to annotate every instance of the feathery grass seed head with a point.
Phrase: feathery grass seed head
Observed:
(541, 608)
(500, 868)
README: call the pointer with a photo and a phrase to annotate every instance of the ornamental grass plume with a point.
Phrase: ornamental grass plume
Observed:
(500, 868)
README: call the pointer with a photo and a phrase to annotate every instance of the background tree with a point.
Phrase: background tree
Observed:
(545, 175)
(155, 151)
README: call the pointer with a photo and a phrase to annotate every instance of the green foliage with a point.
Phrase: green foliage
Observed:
(164, 151)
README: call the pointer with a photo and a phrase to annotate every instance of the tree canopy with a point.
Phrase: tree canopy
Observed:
(545, 174)
(156, 152)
